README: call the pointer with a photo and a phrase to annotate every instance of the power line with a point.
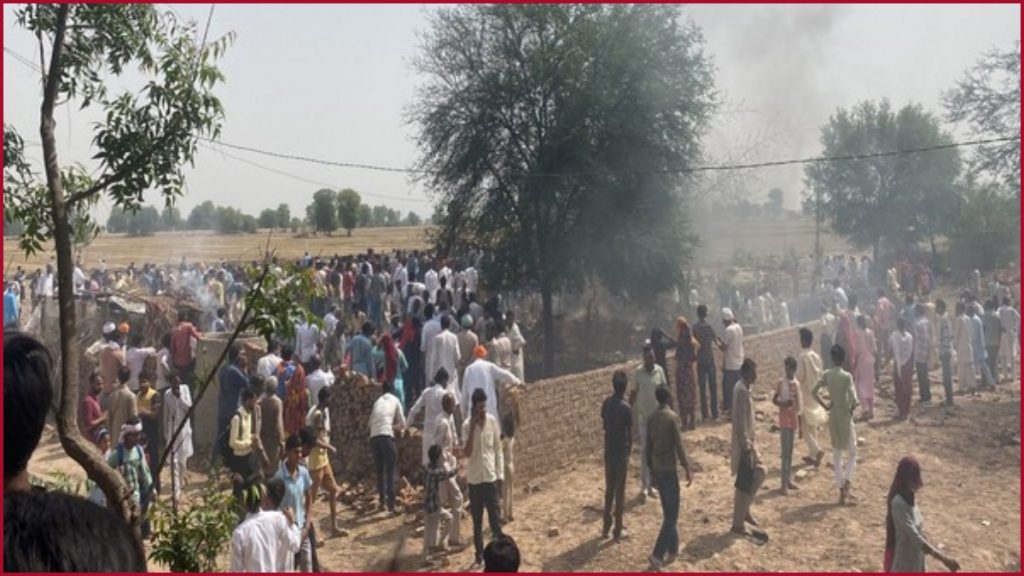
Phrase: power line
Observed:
(694, 169)
(304, 179)
(22, 59)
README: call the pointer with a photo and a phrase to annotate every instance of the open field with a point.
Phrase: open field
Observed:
(720, 240)
(169, 247)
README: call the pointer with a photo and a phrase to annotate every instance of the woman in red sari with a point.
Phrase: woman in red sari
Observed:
(686, 374)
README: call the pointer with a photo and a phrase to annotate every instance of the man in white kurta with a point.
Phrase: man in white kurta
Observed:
(432, 283)
(515, 337)
(487, 376)
(430, 403)
(177, 401)
(813, 416)
(445, 354)
(1009, 318)
(431, 328)
(964, 350)
(268, 539)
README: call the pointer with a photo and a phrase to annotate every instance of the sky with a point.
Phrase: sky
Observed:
(333, 82)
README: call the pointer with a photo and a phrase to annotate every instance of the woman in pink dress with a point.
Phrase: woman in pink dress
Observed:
(864, 369)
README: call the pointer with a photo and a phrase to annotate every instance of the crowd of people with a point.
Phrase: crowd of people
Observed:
(412, 323)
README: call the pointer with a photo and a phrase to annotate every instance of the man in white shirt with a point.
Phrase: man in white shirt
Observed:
(445, 354)
(1009, 318)
(135, 357)
(515, 337)
(431, 283)
(732, 348)
(444, 435)
(317, 379)
(330, 321)
(307, 337)
(44, 286)
(431, 404)
(386, 418)
(268, 539)
(487, 376)
(267, 365)
(485, 470)
(78, 279)
(839, 295)
(431, 328)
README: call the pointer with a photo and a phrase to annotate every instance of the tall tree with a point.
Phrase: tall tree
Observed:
(365, 215)
(898, 199)
(322, 212)
(142, 141)
(349, 202)
(379, 216)
(203, 216)
(552, 136)
(268, 219)
(284, 216)
(144, 222)
(987, 100)
(413, 219)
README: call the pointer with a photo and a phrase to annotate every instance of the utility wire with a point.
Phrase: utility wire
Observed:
(304, 179)
(23, 60)
(694, 169)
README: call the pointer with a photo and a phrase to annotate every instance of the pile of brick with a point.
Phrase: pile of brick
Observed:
(352, 399)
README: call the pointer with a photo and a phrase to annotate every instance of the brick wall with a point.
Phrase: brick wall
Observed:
(561, 417)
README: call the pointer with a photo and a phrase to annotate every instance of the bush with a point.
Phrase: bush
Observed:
(190, 539)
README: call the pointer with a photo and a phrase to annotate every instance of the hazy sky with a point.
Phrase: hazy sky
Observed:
(332, 82)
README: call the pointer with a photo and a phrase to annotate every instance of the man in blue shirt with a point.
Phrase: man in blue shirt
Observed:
(361, 348)
(232, 380)
(298, 496)
(12, 311)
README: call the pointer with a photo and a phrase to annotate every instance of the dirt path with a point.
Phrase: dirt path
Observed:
(971, 503)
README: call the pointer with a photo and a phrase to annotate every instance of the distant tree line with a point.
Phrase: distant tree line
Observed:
(344, 209)
(329, 211)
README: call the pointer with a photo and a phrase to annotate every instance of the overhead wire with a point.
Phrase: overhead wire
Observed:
(682, 170)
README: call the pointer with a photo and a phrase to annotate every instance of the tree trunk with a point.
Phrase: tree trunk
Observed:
(548, 322)
(113, 485)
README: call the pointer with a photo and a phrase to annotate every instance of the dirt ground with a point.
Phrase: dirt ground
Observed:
(971, 502)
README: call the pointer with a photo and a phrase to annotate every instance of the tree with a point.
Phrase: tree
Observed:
(203, 216)
(268, 219)
(170, 218)
(552, 136)
(413, 219)
(284, 215)
(987, 100)
(378, 216)
(145, 222)
(117, 222)
(986, 233)
(394, 217)
(365, 215)
(349, 202)
(295, 224)
(322, 213)
(898, 199)
(142, 142)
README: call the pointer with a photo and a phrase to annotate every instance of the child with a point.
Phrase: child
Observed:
(435, 473)
(103, 443)
(787, 398)
(842, 403)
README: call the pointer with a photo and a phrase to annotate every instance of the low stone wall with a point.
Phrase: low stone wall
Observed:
(561, 417)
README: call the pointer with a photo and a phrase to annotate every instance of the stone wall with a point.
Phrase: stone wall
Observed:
(208, 350)
(561, 417)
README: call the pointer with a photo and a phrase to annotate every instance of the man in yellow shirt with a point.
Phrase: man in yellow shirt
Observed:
(319, 447)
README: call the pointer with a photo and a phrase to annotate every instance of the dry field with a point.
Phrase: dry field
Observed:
(169, 247)
(970, 501)
(720, 243)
